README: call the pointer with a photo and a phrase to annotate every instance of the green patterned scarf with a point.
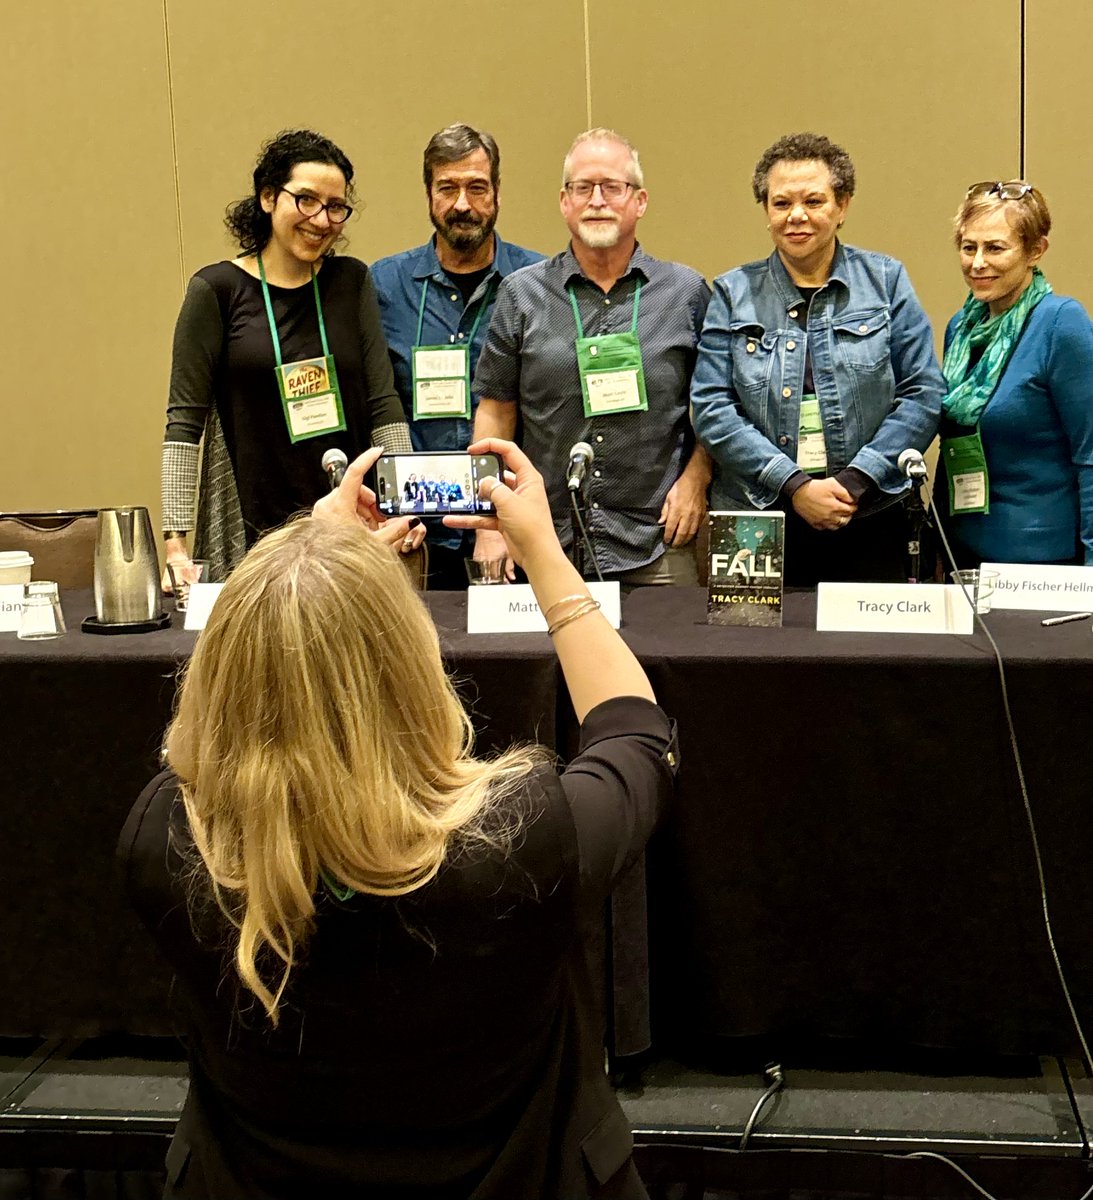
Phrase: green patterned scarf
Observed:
(969, 391)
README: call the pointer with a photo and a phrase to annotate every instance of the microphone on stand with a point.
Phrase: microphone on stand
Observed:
(912, 464)
(580, 459)
(334, 464)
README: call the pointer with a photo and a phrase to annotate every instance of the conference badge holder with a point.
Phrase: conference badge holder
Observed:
(442, 374)
(966, 471)
(610, 367)
(442, 386)
(310, 396)
(811, 447)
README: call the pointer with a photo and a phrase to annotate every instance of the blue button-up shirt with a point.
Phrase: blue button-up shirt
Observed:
(399, 280)
(873, 365)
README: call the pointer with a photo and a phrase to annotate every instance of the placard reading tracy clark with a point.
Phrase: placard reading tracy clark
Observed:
(892, 608)
(1031, 587)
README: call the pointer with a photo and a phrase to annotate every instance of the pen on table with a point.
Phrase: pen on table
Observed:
(1067, 619)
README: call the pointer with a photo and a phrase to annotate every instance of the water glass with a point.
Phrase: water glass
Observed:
(41, 616)
(977, 584)
(486, 570)
(183, 574)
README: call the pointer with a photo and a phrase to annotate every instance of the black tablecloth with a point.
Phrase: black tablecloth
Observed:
(83, 717)
(848, 855)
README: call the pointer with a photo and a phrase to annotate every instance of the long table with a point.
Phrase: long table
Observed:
(847, 855)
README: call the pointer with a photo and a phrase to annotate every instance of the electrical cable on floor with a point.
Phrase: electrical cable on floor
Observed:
(1027, 803)
(1086, 1195)
(584, 535)
(777, 1080)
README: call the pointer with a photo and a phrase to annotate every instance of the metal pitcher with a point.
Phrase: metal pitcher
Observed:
(126, 567)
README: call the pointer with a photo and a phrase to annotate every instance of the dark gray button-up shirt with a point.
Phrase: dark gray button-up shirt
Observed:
(529, 359)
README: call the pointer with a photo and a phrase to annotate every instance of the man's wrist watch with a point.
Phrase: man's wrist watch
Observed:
(169, 534)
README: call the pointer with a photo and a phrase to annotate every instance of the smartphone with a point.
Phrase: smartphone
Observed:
(433, 483)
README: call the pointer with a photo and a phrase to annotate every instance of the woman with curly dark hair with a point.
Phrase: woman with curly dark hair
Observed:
(278, 357)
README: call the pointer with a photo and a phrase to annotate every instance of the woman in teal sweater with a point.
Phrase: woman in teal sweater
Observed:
(1016, 465)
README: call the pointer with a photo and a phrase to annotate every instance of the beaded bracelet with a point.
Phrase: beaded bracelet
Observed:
(582, 610)
(564, 600)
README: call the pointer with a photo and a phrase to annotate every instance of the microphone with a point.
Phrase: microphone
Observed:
(334, 464)
(912, 464)
(580, 459)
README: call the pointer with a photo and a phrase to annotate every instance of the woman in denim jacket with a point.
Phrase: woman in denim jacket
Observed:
(815, 370)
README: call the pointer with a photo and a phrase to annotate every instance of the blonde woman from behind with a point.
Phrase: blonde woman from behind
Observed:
(374, 932)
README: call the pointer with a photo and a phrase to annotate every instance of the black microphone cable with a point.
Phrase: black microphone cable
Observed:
(1024, 799)
(776, 1080)
(585, 540)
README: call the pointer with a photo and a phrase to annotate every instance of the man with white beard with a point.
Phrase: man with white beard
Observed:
(597, 344)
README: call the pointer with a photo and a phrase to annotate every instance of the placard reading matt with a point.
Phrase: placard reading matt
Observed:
(745, 568)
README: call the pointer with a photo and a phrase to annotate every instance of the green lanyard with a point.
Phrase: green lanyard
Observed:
(610, 366)
(273, 320)
(577, 311)
(487, 297)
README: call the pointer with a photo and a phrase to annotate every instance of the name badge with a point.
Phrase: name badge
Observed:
(612, 375)
(441, 382)
(811, 448)
(614, 392)
(311, 398)
(966, 469)
(1041, 588)
(892, 608)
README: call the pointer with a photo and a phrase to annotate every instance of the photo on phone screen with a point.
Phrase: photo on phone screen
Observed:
(433, 484)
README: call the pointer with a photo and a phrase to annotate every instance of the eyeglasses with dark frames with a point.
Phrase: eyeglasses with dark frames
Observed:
(610, 189)
(337, 211)
(1012, 189)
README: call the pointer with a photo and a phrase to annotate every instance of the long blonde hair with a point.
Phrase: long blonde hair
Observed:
(317, 732)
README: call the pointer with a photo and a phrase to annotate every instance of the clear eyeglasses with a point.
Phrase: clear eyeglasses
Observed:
(1012, 189)
(610, 189)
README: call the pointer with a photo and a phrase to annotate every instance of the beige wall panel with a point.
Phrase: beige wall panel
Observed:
(89, 205)
(704, 87)
(379, 79)
(1059, 135)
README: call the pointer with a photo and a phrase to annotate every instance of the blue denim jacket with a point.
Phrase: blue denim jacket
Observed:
(873, 366)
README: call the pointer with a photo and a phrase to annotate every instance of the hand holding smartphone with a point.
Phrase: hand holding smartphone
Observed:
(433, 483)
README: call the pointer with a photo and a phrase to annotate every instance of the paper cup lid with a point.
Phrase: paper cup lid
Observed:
(15, 558)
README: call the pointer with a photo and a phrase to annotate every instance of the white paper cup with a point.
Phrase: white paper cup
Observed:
(15, 566)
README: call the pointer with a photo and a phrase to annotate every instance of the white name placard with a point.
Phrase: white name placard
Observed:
(1044, 589)
(892, 608)
(11, 606)
(512, 608)
(200, 603)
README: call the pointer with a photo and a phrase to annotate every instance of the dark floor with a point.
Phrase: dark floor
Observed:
(92, 1119)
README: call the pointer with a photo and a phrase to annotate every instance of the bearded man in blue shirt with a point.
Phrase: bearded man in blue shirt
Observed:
(435, 302)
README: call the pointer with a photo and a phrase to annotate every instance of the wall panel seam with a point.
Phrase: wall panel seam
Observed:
(587, 69)
(174, 147)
